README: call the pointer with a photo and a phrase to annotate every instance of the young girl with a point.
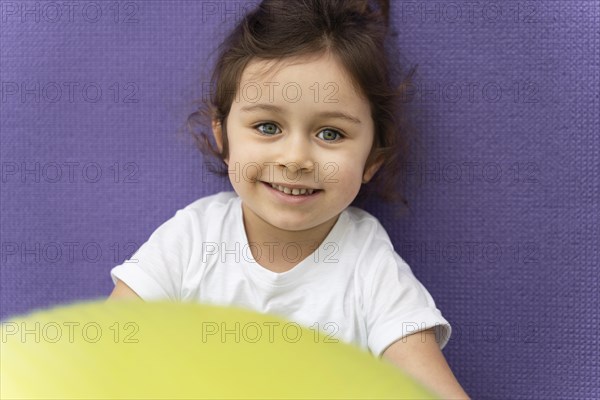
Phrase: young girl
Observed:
(304, 115)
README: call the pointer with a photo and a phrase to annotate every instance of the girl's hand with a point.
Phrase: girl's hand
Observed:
(419, 355)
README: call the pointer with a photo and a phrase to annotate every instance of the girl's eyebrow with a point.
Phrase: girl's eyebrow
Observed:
(326, 114)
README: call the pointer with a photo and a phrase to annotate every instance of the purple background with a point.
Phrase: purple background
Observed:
(514, 179)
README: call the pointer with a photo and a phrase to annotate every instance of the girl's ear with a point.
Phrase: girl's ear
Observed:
(218, 134)
(217, 129)
(372, 169)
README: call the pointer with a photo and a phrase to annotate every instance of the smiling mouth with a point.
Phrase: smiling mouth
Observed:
(293, 191)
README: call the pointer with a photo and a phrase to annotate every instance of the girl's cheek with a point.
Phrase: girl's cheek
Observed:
(341, 175)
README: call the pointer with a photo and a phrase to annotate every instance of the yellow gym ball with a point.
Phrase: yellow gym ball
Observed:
(170, 350)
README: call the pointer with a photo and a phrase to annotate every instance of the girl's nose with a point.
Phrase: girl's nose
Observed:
(296, 154)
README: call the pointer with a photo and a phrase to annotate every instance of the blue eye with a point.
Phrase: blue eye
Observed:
(269, 132)
(328, 137)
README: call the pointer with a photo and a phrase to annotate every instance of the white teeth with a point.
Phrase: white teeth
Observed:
(293, 192)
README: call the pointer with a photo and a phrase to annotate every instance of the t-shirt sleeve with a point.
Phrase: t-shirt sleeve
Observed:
(155, 271)
(397, 304)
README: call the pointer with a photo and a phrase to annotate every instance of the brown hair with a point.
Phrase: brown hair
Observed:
(352, 30)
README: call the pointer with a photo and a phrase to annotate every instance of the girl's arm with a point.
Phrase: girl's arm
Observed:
(419, 356)
(122, 291)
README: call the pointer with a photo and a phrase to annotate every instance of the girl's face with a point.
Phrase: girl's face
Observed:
(302, 125)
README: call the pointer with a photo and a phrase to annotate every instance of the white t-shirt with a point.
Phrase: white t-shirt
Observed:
(354, 286)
